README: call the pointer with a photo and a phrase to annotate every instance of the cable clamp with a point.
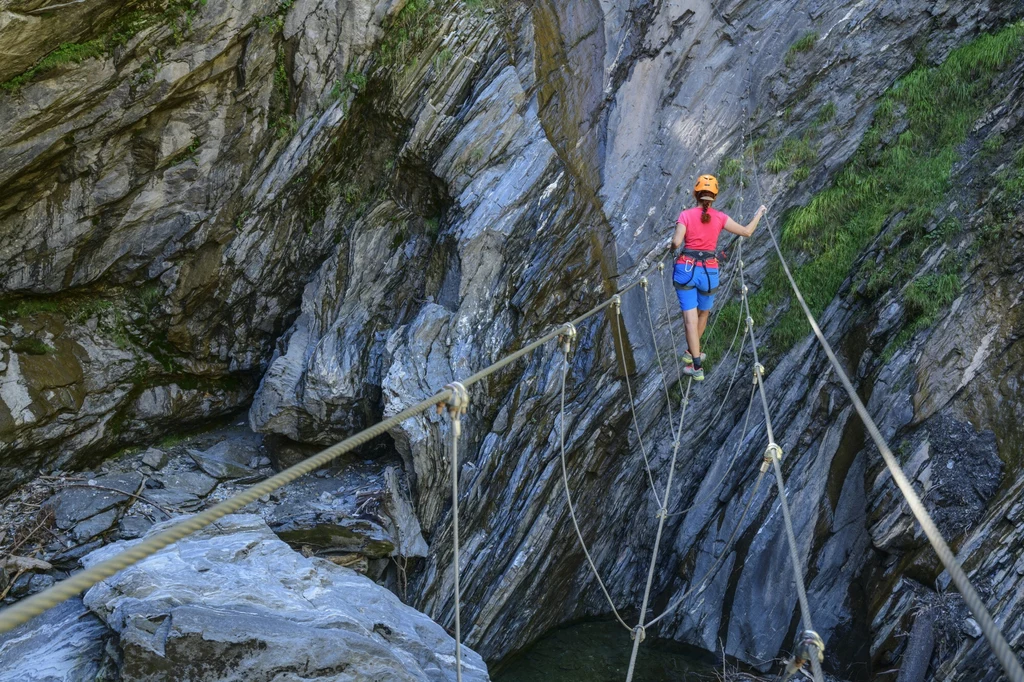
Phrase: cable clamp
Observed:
(662, 513)
(661, 266)
(759, 369)
(567, 337)
(640, 632)
(772, 452)
(457, 406)
(643, 282)
(750, 324)
(808, 645)
(746, 290)
(616, 303)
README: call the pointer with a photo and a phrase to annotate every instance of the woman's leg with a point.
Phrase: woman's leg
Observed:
(702, 321)
(691, 321)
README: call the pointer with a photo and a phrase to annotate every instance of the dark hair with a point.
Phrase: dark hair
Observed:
(705, 199)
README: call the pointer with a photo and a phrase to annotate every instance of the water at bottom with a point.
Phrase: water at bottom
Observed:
(598, 651)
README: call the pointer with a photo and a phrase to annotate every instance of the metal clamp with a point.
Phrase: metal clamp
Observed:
(661, 266)
(457, 405)
(771, 453)
(617, 304)
(640, 632)
(810, 644)
(566, 338)
(643, 282)
(662, 513)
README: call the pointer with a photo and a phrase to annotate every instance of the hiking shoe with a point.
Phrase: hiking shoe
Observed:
(694, 373)
(688, 358)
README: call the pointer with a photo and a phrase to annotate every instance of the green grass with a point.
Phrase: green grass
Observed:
(803, 44)
(186, 154)
(826, 115)
(282, 121)
(911, 174)
(32, 346)
(178, 14)
(442, 58)
(66, 53)
(991, 146)
(925, 299)
(795, 151)
(109, 308)
(728, 171)
(406, 34)
(275, 20)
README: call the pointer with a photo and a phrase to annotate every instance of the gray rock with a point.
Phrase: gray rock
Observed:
(65, 644)
(191, 482)
(132, 527)
(94, 525)
(227, 459)
(167, 498)
(74, 504)
(30, 583)
(154, 458)
(283, 612)
(971, 628)
(69, 559)
(364, 510)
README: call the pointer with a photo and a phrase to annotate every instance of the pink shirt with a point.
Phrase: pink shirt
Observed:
(702, 236)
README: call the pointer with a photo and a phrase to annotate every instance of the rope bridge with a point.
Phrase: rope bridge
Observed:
(455, 398)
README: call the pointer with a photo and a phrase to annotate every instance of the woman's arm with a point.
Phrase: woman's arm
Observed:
(677, 238)
(745, 231)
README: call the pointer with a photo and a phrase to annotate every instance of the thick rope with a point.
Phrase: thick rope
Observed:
(568, 497)
(661, 368)
(992, 632)
(617, 322)
(699, 586)
(671, 329)
(776, 454)
(23, 611)
(638, 633)
(735, 456)
(457, 407)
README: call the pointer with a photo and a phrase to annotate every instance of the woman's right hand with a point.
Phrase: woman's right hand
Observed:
(761, 211)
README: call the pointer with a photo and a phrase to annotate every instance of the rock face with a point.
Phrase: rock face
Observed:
(66, 644)
(362, 201)
(236, 603)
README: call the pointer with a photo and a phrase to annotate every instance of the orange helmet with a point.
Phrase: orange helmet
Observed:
(706, 183)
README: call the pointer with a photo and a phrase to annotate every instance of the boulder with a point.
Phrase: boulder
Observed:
(154, 458)
(363, 510)
(284, 616)
(65, 644)
(75, 504)
(227, 459)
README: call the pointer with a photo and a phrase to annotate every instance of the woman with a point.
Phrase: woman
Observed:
(696, 271)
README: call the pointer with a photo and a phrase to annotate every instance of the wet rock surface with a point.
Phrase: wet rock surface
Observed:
(235, 602)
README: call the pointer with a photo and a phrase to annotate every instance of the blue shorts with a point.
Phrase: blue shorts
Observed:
(695, 284)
